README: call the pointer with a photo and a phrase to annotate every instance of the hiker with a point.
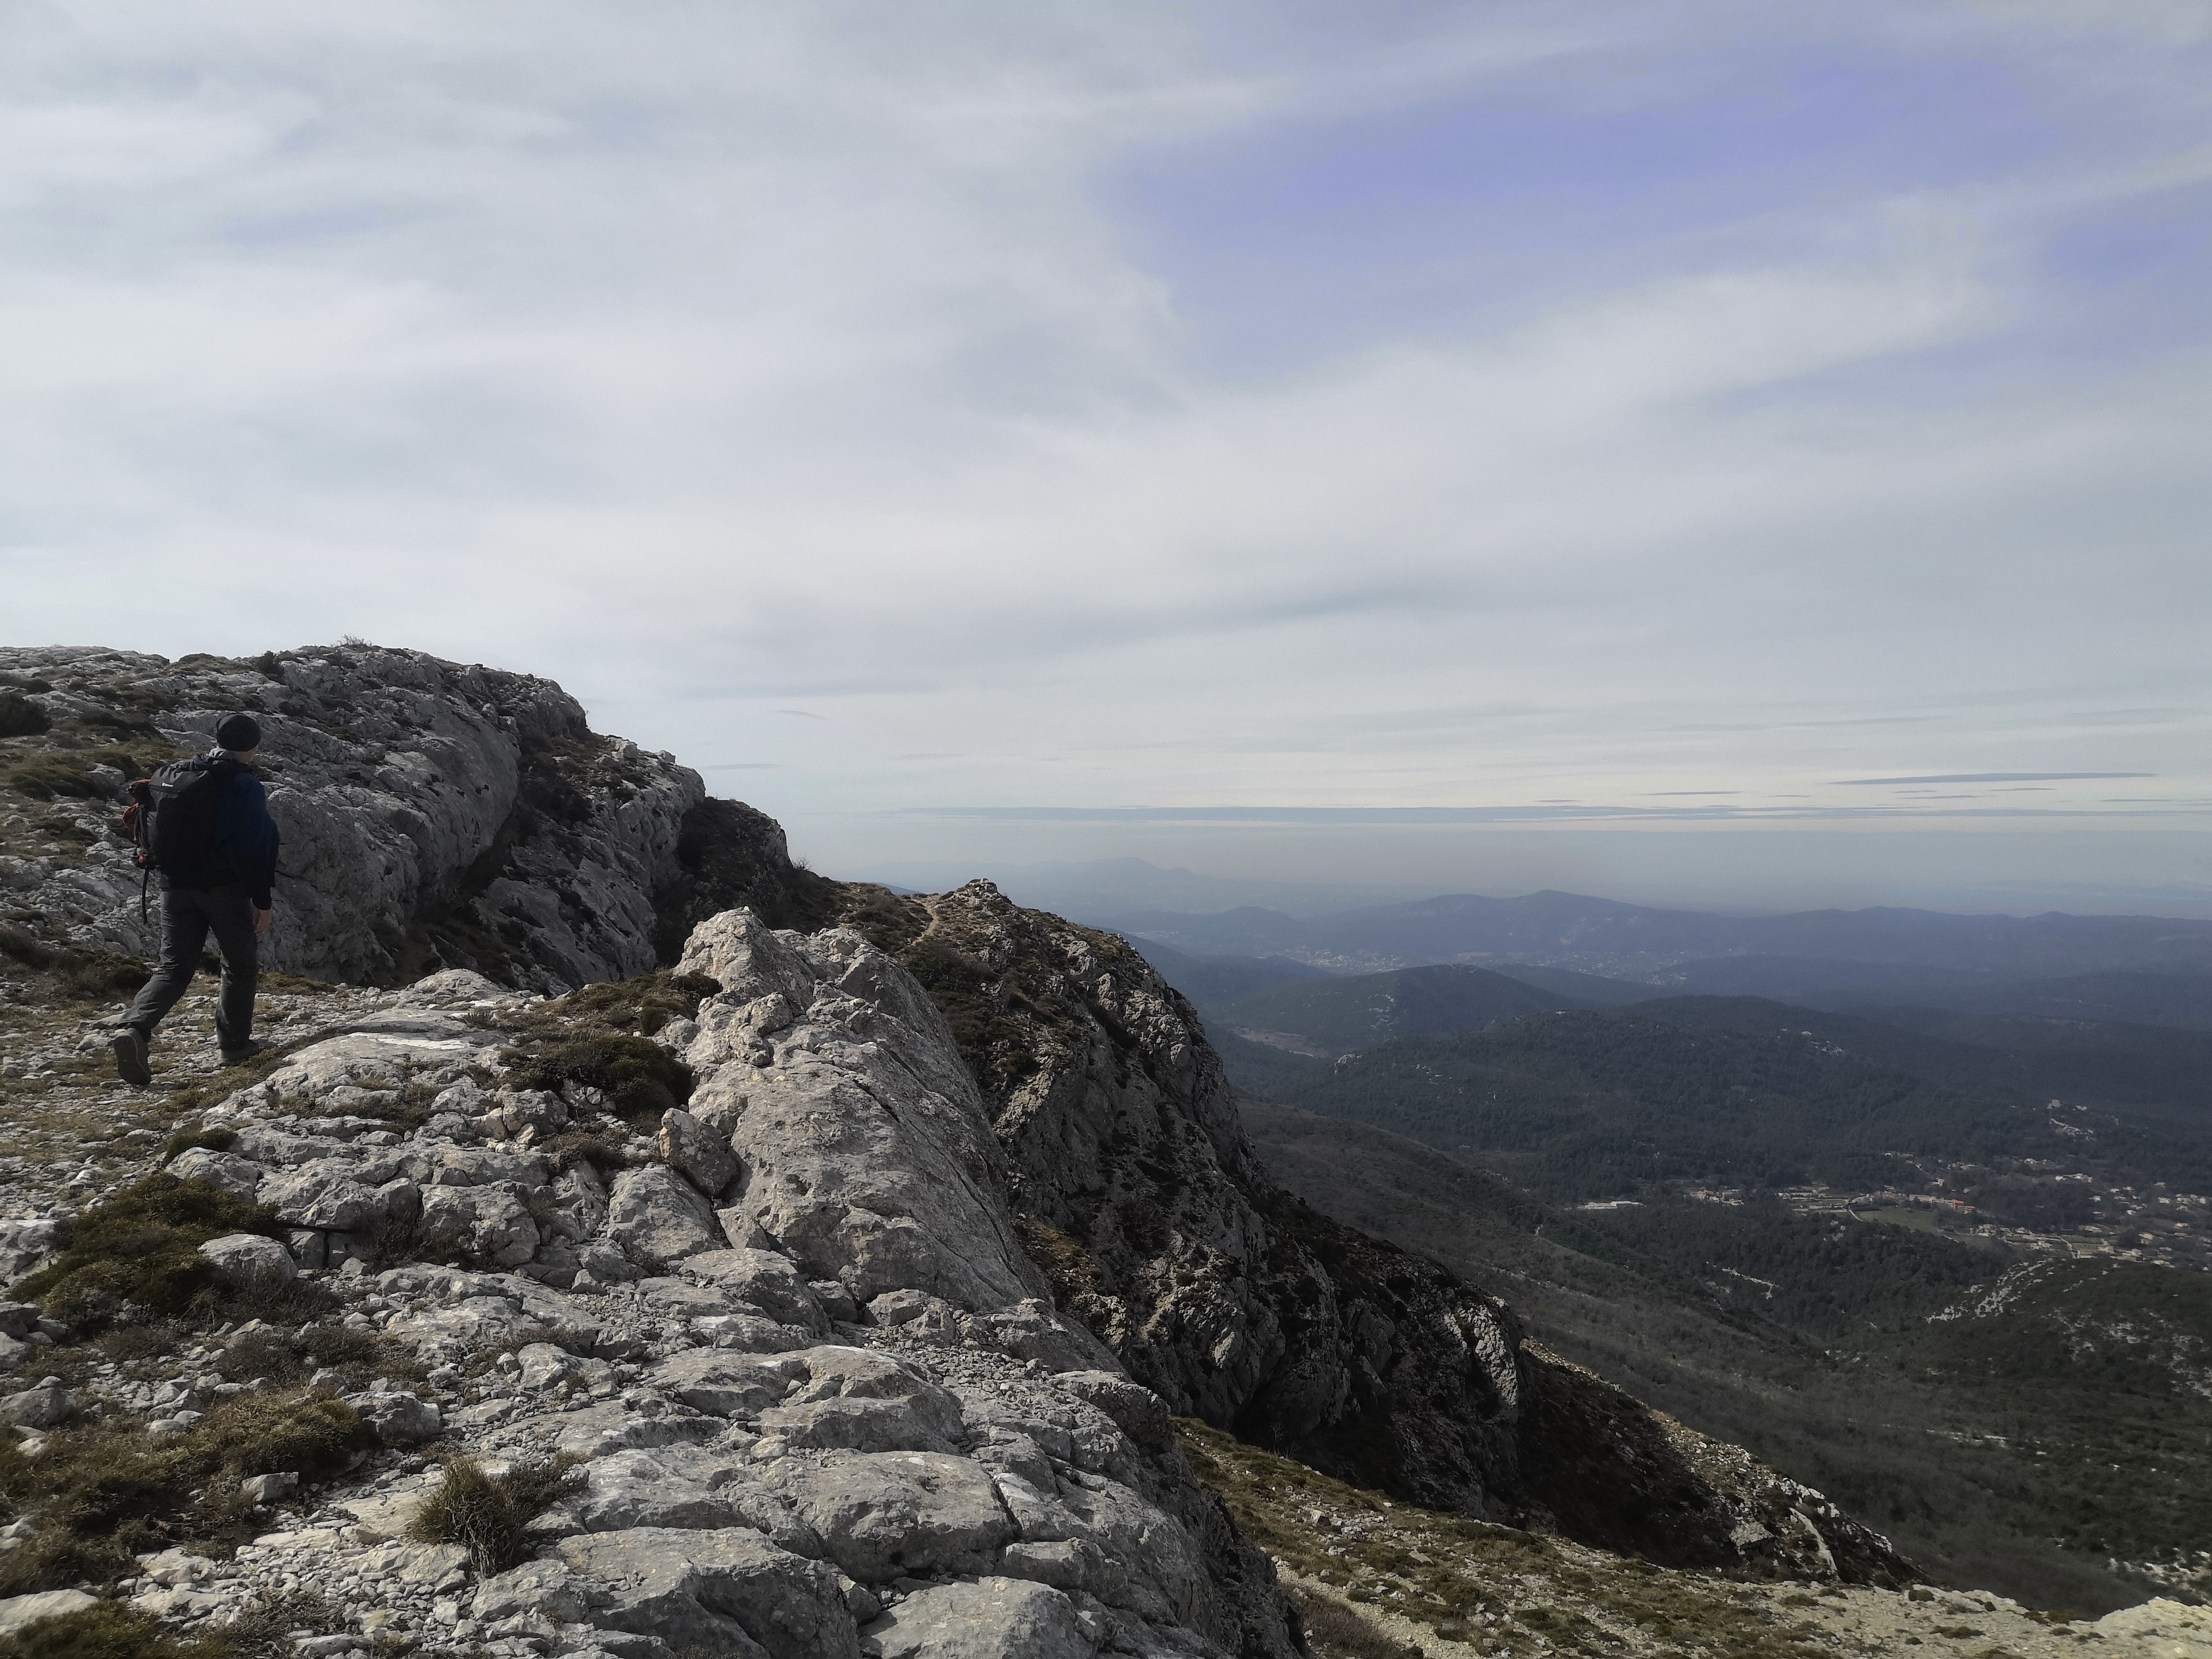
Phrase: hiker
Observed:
(214, 845)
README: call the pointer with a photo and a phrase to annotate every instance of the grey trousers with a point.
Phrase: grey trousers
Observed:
(188, 916)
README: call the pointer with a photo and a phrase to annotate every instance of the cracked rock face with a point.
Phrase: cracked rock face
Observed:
(432, 813)
(1232, 1302)
(827, 1410)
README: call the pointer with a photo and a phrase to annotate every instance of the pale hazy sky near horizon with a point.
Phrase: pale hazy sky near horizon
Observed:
(1681, 450)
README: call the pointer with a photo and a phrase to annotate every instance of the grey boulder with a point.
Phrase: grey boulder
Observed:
(989, 1618)
(42, 1407)
(692, 1148)
(728, 1594)
(397, 1419)
(893, 1515)
(763, 1280)
(239, 1176)
(543, 1586)
(722, 1383)
(248, 1261)
(21, 1611)
(867, 1154)
(490, 1223)
(863, 1401)
(654, 1215)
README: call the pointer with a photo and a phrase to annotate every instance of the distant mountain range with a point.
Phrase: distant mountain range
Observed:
(2140, 970)
(1337, 1015)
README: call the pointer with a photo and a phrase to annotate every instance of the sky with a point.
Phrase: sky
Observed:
(1686, 451)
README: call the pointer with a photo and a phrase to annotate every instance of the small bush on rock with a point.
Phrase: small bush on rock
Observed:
(260, 1354)
(279, 1356)
(643, 1005)
(75, 973)
(489, 1514)
(48, 777)
(184, 1141)
(642, 1079)
(601, 1035)
(601, 1151)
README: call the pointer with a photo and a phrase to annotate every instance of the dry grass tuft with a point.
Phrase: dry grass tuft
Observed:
(100, 1492)
(489, 1514)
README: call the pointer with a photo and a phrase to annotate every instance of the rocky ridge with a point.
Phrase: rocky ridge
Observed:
(434, 815)
(1137, 1187)
(814, 1402)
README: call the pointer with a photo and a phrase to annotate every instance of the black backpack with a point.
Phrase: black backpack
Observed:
(171, 817)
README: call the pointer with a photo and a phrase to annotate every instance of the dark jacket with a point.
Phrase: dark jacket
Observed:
(245, 842)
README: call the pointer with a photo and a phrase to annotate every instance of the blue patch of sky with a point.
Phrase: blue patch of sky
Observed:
(1301, 240)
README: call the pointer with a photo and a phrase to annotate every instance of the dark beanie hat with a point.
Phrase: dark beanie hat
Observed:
(238, 733)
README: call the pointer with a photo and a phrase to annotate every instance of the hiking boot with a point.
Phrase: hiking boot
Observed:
(240, 1055)
(130, 1046)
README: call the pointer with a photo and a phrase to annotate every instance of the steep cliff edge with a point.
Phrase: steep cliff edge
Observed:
(1139, 1192)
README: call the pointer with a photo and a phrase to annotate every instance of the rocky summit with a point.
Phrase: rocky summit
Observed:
(631, 1243)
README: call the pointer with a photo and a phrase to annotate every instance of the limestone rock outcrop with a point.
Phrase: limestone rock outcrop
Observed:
(435, 814)
(819, 1402)
(1137, 1190)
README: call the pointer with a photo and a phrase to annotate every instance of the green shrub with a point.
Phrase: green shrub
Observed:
(601, 1035)
(641, 1079)
(603, 1153)
(643, 1005)
(48, 777)
(21, 718)
(140, 1249)
(109, 1630)
(24, 947)
(489, 1514)
(260, 1354)
(213, 1141)
(79, 973)
(101, 1491)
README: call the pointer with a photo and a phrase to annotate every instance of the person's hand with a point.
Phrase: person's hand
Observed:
(262, 919)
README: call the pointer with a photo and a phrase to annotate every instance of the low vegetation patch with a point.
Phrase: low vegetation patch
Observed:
(287, 1357)
(605, 1154)
(72, 973)
(1515, 1591)
(102, 1492)
(109, 1630)
(488, 1514)
(602, 1036)
(21, 718)
(1335, 1630)
(137, 1255)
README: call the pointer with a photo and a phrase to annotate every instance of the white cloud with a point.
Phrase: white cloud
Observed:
(712, 360)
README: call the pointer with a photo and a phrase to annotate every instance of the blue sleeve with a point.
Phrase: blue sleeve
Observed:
(247, 838)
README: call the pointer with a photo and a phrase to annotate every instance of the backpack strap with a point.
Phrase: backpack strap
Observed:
(135, 816)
